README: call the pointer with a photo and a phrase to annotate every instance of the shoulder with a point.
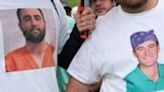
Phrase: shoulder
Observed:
(16, 53)
(161, 69)
(161, 65)
(12, 57)
(132, 75)
(50, 47)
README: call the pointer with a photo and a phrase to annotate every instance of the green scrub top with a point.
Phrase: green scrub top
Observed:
(62, 78)
(137, 81)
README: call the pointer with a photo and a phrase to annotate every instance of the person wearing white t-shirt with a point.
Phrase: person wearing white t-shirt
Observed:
(100, 8)
(106, 53)
(40, 80)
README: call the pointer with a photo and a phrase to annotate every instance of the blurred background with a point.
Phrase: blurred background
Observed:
(71, 3)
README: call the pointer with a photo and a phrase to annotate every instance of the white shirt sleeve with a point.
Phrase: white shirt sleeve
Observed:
(62, 33)
(86, 65)
(82, 67)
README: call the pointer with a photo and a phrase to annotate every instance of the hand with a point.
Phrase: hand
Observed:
(86, 20)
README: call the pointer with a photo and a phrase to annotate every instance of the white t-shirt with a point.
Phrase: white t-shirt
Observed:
(107, 52)
(34, 80)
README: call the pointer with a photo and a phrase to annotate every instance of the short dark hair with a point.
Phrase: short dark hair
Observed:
(19, 14)
(68, 10)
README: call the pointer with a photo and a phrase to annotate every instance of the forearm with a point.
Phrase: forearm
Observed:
(76, 86)
(70, 48)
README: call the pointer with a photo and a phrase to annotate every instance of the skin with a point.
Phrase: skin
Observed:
(85, 20)
(136, 6)
(147, 55)
(32, 24)
(101, 7)
(72, 86)
(143, 7)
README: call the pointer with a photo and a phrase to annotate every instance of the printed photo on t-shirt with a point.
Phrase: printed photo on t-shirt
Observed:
(28, 38)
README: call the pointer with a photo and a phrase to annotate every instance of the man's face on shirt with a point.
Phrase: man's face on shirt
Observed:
(133, 4)
(32, 25)
(147, 53)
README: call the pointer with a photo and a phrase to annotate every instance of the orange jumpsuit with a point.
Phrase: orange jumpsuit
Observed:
(21, 59)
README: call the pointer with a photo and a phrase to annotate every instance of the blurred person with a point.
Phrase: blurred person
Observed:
(86, 20)
(102, 56)
(101, 7)
(149, 75)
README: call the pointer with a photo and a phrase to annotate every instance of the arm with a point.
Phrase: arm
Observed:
(76, 86)
(84, 21)
(70, 48)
